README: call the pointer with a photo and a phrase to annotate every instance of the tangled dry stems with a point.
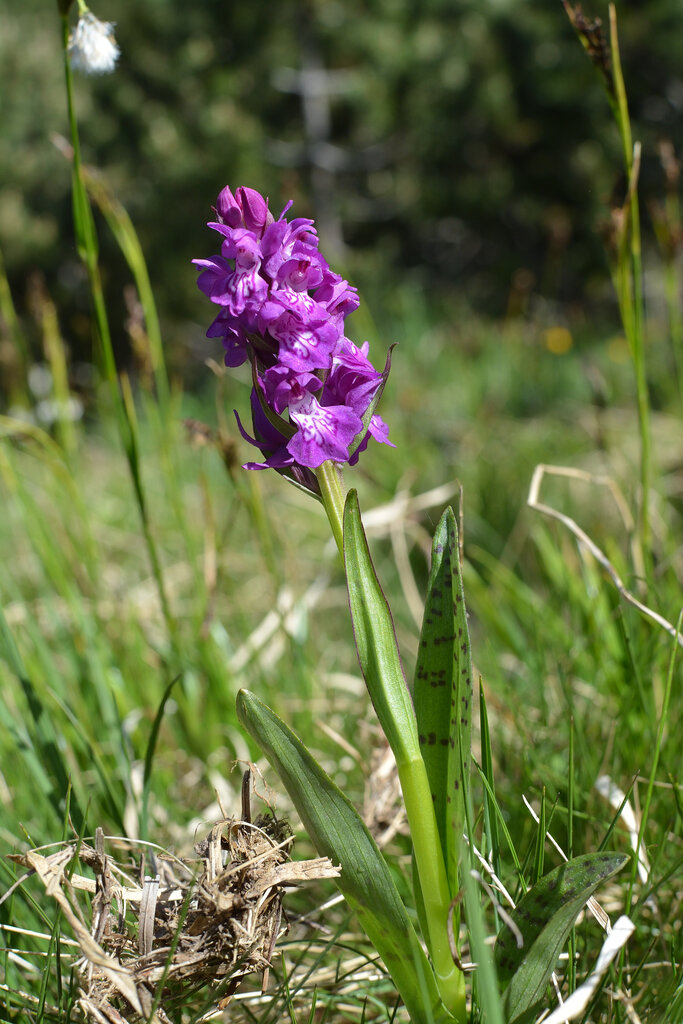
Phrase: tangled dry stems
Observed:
(151, 939)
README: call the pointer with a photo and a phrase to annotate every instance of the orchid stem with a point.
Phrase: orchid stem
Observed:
(433, 882)
(333, 494)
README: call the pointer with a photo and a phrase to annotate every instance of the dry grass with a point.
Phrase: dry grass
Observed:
(150, 925)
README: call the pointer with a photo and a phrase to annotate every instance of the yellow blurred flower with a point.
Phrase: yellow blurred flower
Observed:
(558, 340)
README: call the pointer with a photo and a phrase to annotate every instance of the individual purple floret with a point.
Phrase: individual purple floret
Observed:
(283, 309)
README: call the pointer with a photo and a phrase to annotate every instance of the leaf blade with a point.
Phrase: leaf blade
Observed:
(339, 833)
(376, 642)
(443, 691)
(545, 917)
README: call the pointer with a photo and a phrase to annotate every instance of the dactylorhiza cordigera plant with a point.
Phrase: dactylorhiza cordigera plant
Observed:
(282, 310)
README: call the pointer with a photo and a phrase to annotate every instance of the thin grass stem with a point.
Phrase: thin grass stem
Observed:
(86, 241)
(631, 287)
(16, 374)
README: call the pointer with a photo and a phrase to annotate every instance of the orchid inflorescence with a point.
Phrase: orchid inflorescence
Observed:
(283, 309)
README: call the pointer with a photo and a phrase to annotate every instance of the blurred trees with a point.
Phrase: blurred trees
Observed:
(467, 142)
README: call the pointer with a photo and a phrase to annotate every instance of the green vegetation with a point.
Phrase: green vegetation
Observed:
(147, 579)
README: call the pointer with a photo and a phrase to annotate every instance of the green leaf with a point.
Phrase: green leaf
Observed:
(443, 691)
(149, 758)
(9, 650)
(84, 226)
(338, 832)
(376, 643)
(539, 851)
(544, 917)
(381, 666)
(127, 239)
(492, 845)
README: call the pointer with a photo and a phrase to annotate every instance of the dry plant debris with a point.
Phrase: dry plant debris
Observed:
(206, 921)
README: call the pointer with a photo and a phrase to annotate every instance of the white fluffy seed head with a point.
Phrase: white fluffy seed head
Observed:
(92, 47)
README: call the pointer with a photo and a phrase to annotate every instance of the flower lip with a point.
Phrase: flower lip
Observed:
(324, 433)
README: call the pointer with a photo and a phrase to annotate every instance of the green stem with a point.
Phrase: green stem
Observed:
(332, 490)
(18, 370)
(433, 882)
(633, 316)
(675, 319)
(86, 243)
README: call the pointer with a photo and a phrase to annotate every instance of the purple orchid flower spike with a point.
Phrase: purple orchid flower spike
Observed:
(284, 310)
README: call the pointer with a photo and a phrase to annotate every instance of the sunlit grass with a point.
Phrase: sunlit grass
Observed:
(551, 638)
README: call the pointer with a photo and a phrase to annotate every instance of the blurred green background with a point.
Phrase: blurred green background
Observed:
(465, 147)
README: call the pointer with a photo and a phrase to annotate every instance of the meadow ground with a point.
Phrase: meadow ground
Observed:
(579, 684)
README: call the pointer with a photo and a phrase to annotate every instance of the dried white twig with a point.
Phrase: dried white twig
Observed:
(577, 1002)
(582, 536)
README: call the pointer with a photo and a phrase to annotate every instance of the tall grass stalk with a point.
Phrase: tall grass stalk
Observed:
(666, 219)
(629, 280)
(86, 242)
(10, 327)
(627, 268)
(160, 407)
